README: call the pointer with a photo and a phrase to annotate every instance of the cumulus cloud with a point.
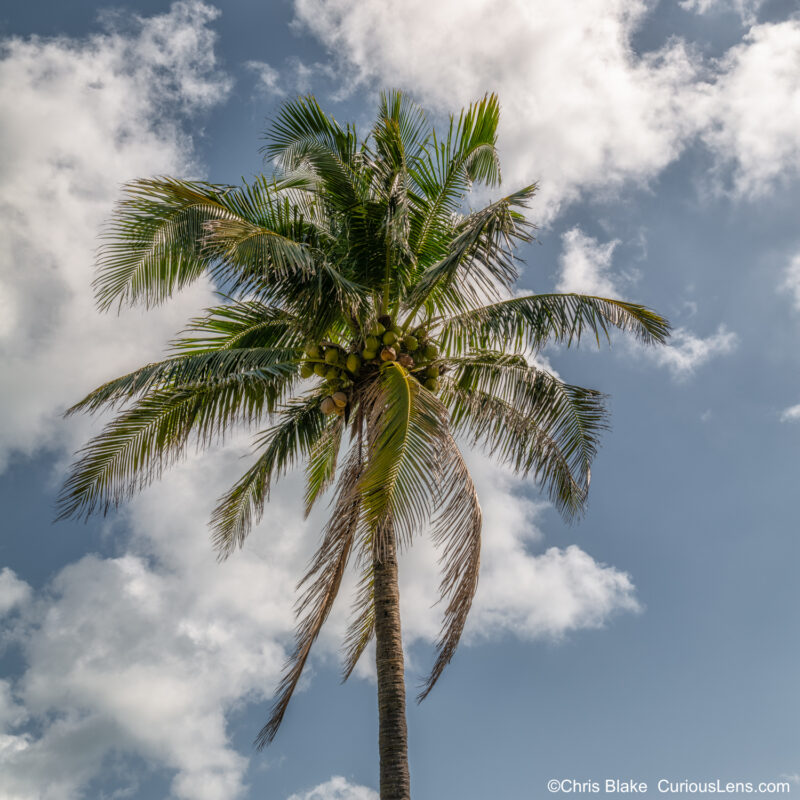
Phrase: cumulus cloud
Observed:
(791, 414)
(585, 265)
(581, 110)
(13, 591)
(337, 788)
(80, 117)
(268, 78)
(584, 113)
(687, 352)
(753, 108)
(746, 9)
(183, 640)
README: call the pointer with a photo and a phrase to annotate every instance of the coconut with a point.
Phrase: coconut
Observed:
(432, 385)
(338, 411)
(353, 363)
(306, 370)
(388, 354)
(340, 398)
(389, 338)
(371, 343)
(411, 343)
(331, 355)
(431, 351)
(386, 321)
(432, 372)
(313, 351)
(368, 355)
(320, 369)
(332, 374)
(406, 360)
(377, 329)
(327, 406)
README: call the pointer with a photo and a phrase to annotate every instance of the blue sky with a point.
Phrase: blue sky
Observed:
(654, 639)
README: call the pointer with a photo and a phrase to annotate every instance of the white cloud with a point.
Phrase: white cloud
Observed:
(746, 9)
(791, 414)
(80, 117)
(183, 640)
(269, 79)
(586, 265)
(754, 108)
(687, 352)
(13, 591)
(337, 788)
(583, 112)
(791, 283)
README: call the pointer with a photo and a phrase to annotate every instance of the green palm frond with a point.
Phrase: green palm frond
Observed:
(241, 324)
(537, 319)
(480, 256)
(531, 445)
(405, 425)
(141, 442)
(300, 427)
(322, 459)
(270, 367)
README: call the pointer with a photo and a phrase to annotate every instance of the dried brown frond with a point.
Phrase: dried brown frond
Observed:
(322, 582)
(457, 529)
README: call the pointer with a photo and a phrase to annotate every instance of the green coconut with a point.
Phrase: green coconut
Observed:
(332, 374)
(432, 385)
(340, 398)
(332, 355)
(306, 370)
(389, 338)
(432, 372)
(353, 363)
(431, 351)
(371, 343)
(368, 354)
(388, 354)
(377, 329)
(411, 343)
(327, 406)
(313, 351)
(320, 369)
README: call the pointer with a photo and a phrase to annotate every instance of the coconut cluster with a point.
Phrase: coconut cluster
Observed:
(340, 368)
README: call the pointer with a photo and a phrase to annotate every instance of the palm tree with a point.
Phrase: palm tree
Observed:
(362, 309)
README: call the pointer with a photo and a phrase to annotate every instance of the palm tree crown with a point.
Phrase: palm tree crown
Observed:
(362, 310)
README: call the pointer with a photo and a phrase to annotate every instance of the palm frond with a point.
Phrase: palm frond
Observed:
(142, 441)
(535, 320)
(321, 467)
(192, 371)
(457, 530)
(322, 582)
(300, 427)
(480, 256)
(405, 424)
(531, 421)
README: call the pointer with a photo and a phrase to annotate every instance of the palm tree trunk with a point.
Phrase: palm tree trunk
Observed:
(392, 737)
